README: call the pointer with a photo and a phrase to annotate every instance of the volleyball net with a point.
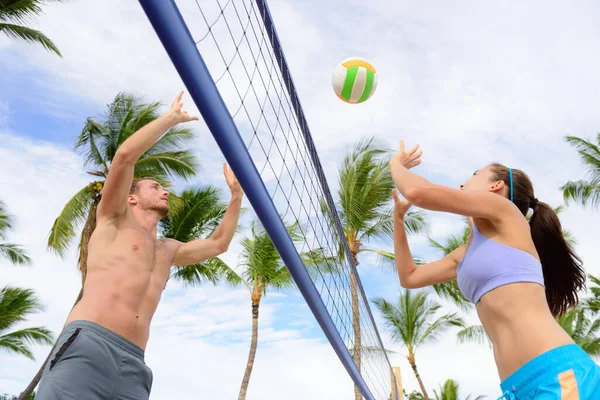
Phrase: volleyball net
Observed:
(228, 54)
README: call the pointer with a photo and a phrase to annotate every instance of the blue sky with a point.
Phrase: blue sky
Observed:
(471, 82)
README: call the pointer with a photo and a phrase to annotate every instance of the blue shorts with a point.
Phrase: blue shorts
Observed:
(563, 373)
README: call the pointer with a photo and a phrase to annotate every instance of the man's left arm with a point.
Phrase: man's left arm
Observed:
(200, 250)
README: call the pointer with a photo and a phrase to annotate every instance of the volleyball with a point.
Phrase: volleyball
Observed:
(354, 80)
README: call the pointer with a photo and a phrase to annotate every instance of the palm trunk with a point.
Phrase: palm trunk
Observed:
(86, 234)
(356, 329)
(413, 364)
(253, 346)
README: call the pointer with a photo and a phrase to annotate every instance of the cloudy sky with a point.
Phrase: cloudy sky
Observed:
(473, 82)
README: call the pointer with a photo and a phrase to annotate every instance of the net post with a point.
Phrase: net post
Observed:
(170, 27)
(396, 382)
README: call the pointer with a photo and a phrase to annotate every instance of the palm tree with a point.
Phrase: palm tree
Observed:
(99, 141)
(449, 391)
(15, 305)
(584, 192)
(365, 210)
(263, 268)
(199, 214)
(14, 14)
(412, 322)
(13, 252)
(583, 330)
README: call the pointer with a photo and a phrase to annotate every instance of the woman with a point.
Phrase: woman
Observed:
(519, 275)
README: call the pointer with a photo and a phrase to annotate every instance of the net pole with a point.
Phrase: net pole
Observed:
(170, 27)
(267, 18)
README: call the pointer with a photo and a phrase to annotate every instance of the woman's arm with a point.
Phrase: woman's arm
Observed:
(424, 194)
(428, 274)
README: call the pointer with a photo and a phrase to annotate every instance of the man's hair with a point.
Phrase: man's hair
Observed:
(134, 185)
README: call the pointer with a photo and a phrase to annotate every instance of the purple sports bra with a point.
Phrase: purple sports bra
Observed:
(488, 264)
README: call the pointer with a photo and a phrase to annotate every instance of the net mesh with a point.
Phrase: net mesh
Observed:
(234, 43)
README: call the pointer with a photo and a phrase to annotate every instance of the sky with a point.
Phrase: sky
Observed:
(472, 83)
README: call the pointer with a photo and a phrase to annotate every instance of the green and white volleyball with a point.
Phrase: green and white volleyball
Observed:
(354, 80)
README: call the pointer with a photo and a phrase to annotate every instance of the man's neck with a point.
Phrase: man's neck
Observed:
(147, 219)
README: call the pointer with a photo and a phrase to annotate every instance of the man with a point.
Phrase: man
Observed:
(100, 353)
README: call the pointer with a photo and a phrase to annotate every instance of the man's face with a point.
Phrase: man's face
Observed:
(152, 196)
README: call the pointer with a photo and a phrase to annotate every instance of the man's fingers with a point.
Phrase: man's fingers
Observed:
(402, 145)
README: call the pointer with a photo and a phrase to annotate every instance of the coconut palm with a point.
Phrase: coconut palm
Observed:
(99, 141)
(13, 252)
(15, 305)
(16, 14)
(261, 269)
(584, 192)
(365, 209)
(413, 322)
(450, 391)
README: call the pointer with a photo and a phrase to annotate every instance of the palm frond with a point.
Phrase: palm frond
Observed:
(72, 216)
(449, 290)
(22, 11)
(385, 259)
(365, 184)
(588, 151)
(29, 35)
(172, 164)
(14, 253)
(474, 333)
(582, 192)
(200, 212)
(6, 221)
(212, 270)
(93, 133)
(433, 331)
(175, 138)
(15, 304)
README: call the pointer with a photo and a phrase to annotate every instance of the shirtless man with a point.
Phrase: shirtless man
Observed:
(100, 353)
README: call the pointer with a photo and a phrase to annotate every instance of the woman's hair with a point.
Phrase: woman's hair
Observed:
(562, 268)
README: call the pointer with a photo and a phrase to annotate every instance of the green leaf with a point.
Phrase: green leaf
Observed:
(474, 333)
(172, 164)
(29, 35)
(14, 253)
(212, 270)
(6, 221)
(22, 11)
(582, 192)
(198, 216)
(72, 216)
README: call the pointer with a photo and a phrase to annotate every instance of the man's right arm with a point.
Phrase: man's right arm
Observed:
(120, 175)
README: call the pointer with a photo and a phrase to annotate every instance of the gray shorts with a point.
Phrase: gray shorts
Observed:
(92, 362)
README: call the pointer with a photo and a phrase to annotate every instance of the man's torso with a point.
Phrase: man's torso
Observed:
(127, 269)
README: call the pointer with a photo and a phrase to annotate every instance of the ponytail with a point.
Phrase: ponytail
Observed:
(564, 276)
(563, 273)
